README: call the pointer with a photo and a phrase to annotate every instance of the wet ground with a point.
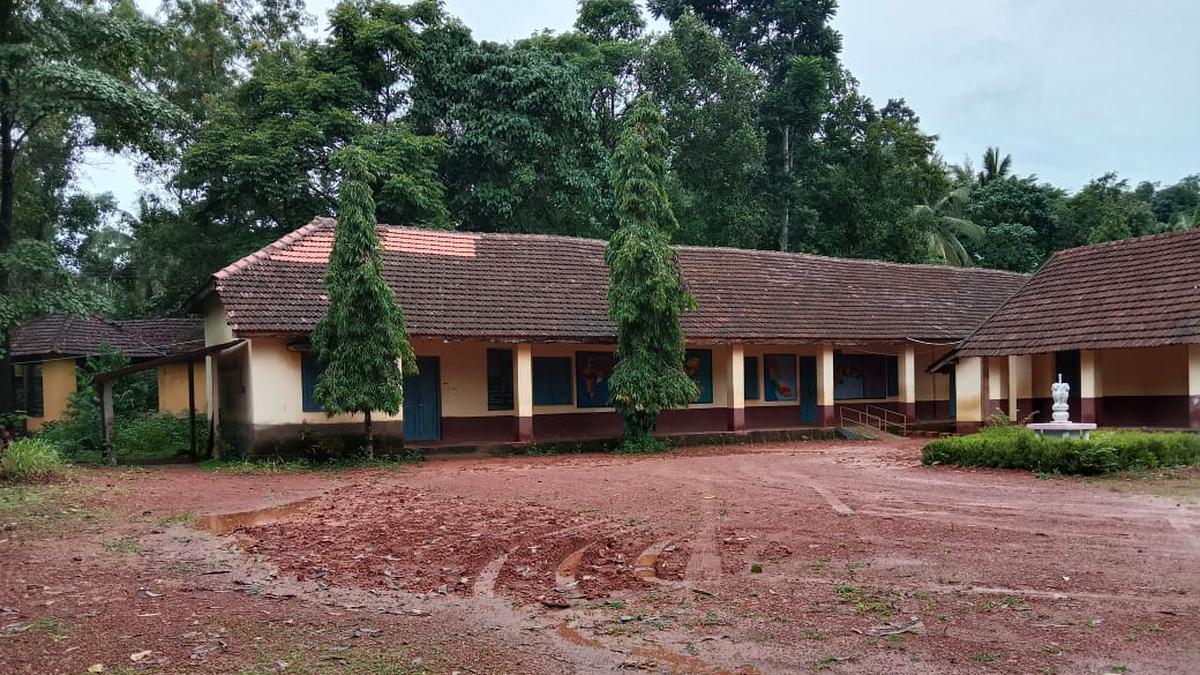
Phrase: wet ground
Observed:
(795, 557)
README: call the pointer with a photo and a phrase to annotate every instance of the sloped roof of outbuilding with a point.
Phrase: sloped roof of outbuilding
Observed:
(1142, 292)
(459, 285)
(60, 335)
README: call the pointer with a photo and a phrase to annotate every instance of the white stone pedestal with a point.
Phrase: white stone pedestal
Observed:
(1063, 429)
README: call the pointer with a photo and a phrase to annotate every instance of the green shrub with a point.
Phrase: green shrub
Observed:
(160, 436)
(1012, 447)
(136, 437)
(32, 460)
(78, 433)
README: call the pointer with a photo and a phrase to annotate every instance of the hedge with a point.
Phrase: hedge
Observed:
(1013, 447)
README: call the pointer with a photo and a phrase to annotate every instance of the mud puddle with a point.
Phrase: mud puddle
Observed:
(225, 523)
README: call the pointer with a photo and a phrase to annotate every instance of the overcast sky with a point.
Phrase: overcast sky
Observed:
(1071, 88)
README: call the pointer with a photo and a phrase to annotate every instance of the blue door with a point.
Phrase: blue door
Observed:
(953, 396)
(808, 390)
(423, 402)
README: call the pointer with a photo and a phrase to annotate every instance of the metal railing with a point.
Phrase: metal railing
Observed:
(875, 417)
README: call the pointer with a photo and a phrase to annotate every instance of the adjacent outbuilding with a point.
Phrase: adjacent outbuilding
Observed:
(1119, 321)
(46, 351)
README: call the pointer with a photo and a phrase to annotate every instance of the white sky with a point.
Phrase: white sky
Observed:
(1071, 88)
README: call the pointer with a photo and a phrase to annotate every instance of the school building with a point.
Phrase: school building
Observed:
(514, 343)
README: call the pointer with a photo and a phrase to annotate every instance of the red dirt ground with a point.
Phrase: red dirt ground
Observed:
(847, 557)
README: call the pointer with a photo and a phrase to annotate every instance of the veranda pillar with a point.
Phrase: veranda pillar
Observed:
(908, 382)
(523, 369)
(736, 388)
(826, 416)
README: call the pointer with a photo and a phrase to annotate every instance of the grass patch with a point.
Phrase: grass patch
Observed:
(122, 546)
(277, 465)
(176, 519)
(1014, 447)
(32, 460)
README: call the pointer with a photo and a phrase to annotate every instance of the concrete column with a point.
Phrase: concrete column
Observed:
(523, 370)
(1020, 386)
(826, 416)
(970, 383)
(736, 388)
(1194, 386)
(908, 381)
(1091, 388)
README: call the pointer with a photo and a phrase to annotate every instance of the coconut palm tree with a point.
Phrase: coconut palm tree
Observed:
(994, 168)
(945, 227)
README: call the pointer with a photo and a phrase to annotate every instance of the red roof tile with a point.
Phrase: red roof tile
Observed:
(61, 335)
(539, 287)
(1142, 292)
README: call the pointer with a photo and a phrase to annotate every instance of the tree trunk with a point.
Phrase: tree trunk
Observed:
(785, 220)
(370, 445)
(6, 233)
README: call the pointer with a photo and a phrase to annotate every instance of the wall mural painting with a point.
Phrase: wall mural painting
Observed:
(592, 373)
(779, 377)
(698, 364)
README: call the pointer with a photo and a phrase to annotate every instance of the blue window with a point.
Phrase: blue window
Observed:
(751, 367)
(500, 379)
(310, 371)
(698, 365)
(552, 380)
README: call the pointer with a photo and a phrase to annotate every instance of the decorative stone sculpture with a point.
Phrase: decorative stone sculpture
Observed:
(1062, 426)
(1060, 391)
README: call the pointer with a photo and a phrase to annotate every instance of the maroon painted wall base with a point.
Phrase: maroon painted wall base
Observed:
(695, 419)
(481, 429)
(827, 415)
(524, 429)
(773, 417)
(967, 427)
(737, 419)
(933, 410)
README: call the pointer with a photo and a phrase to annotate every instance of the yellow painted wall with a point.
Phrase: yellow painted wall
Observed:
(1042, 368)
(969, 389)
(172, 388)
(997, 372)
(931, 386)
(1156, 371)
(58, 383)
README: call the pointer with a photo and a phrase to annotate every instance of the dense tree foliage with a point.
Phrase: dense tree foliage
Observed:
(646, 297)
(235, 109)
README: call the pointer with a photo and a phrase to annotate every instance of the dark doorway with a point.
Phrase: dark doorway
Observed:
(1067, 365)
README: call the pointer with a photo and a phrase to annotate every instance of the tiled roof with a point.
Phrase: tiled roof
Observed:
(70, 336)
(540, 287)
(1142, 292)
